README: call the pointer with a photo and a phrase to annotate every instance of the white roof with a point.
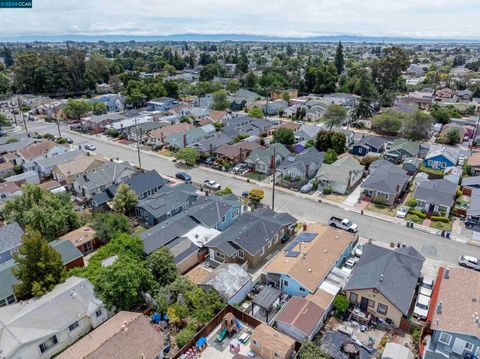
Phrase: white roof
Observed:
(423, 299)
(129, 122)
(397, 351)
(200, 235)
(32, 320)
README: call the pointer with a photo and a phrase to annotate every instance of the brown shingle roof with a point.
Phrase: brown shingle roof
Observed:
(8, 187)
(459, 295)
(6, 166)
(290, 125)
(37, 150)
(321, 255)
(179, 127)
(80, 236)
(474, 160)
(80, 164)
(233, 151)
(302, 314)
(217, 115)
(272, 339)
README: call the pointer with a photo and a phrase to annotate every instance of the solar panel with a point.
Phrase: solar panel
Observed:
(305, 237)
(292, 254)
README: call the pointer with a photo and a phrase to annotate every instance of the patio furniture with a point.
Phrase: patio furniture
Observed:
(244, 338)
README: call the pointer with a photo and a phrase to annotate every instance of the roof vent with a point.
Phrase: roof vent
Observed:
(439, 308)
(309, 270)
(381, 277)
(447, 273)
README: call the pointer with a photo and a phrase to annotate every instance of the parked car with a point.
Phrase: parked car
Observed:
(212, 185)
(308, 187)
(358, 250)
(402, 212)
(184, 177)
(349, 266)
(207, 161)
(421, 307)
(426, 286)
(469, 262)
(344, 224)
(68, 139)
(240, 167)
(90, 147)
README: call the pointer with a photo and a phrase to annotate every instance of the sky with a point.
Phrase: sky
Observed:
(455, 19)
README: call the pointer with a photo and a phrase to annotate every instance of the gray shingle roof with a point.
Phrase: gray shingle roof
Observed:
(209, 210)
(59, 159)
(302, 160)
(439, 192)
(371, 141)
(394, 273)
(10, 236)
(386, 179)
(105, 175)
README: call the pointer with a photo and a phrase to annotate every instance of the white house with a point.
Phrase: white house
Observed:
(42, 327)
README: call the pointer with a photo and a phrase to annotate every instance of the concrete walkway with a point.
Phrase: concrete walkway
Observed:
(353, 197)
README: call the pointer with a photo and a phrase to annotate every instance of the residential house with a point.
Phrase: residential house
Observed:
(71, 258)
(401, 150)
(24, 177)
(114, 338)
(180, 140)
(68, 172)
(167, 202)
(209, 146)
(411, 165)
(218, 116)
(307, 132)
(144, 184)
(384, 282)
(302, 166)
(387, 182)
(289, 125)
(83, 239)
(422, 99)
(230, 281)
(239, 99)
(17, 145)
(244, 125)
(368, 144)
(45, 166)
(440, 157)
(262, 159)
(341, 176)
(184, 237)
(196, 113)
(474, 163)
(29, 155)
(280, 94)
(6, 169)
(9, 190)
(268, 343)
(159, 135)
(11, 239)
(436, 196)
(114, 102)
(445, 93)
(464, 95)
(236, 152)
(453, 317)
(252, 237)
(98, 179)
(61, 317)
(469, 184)
(275, 108)
(161, 104)
(98, 123)
(316, 113)
(305, 263)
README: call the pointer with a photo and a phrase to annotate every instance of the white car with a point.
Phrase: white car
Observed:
(469, 262)
(426, 287)
(402, 212)
(212, 185)
(421, 307)
(358, 250)
(349, 266)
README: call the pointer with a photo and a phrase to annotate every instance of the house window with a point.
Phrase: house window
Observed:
(235, 213)
(445, 338)
(371, 303)
(224, 219)
(285, 283)
(430, 162)
(257, 344)
(48, 344)
(301, 289)
(443, 165)
(98, 313)
(468, 346)
(241, 254)
(73, 326)
(219, 255)
(353, 297)
(382, 308)
(87, 247)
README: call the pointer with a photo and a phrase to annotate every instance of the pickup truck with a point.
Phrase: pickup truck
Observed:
(344, 224)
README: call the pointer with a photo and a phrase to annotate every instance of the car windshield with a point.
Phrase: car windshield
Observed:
(422, 306)
(427, 285)
(347, 222)
(349, 265)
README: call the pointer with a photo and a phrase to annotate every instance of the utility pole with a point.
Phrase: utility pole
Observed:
(138, 144)
(56, 120)
(274, 177)
(475, 132)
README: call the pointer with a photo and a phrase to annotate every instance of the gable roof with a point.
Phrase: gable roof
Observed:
(440, 192)
(394, 273)
(104, 175)
(301, 314)
(209, 210)
(79, 164)
(303, 160)
(26, 322)
(410, 148)
(450, 153)
(272, 339)
(386, 179)
(168, 130)
(10, 236)
(59, 159)
(265, 155)
(310, 130)
(253, 230)
(339, 171)
(36, 150)
(370, 141)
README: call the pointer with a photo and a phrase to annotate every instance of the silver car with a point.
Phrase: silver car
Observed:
(469, 262)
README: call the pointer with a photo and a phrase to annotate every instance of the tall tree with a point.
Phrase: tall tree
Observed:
(339, 59)
(284, 135)
(125, 199)
(76, 108)
(39, 266)
(219, 100)
(417, 125)
(335, 115)
(162, 266)
(7, 57)
(108, 225)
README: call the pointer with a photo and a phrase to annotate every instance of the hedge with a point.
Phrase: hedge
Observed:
(440, 219)
(417, 213)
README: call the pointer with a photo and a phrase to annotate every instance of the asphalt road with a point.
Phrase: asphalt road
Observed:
(302, 208)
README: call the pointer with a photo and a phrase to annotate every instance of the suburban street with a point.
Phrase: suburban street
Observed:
(303, 208)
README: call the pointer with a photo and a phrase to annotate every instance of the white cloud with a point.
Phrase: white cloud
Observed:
(414, 18)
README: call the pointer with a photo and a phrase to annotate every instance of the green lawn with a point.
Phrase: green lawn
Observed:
(430, 170)
(413, 218)
(441, 226)
(255, 176)
(388, 211)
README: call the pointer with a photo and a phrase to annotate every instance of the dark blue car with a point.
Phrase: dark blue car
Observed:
(184, 177)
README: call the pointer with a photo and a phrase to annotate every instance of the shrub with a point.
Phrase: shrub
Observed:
(415, 219)
(327, 189)
(341, 304)
(379, 200)
(419, 214)
(112, 132)
(440, 219)
(184, 336)
(412, 202)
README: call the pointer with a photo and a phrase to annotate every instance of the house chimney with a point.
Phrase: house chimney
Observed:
(162, 137)
(439, 308)
(398, 188)
(446, 274)
(185, 140)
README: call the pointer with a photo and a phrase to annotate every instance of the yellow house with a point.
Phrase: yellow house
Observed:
(271, 344)
(384, 282)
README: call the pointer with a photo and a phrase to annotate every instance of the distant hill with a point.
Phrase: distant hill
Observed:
(227, 37)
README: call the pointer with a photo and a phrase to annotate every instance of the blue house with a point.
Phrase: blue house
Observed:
(308, 259)
(367, 144)
(454, 320)
(218, 212)
(114, 102)
(161, 104)
(440, 157)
